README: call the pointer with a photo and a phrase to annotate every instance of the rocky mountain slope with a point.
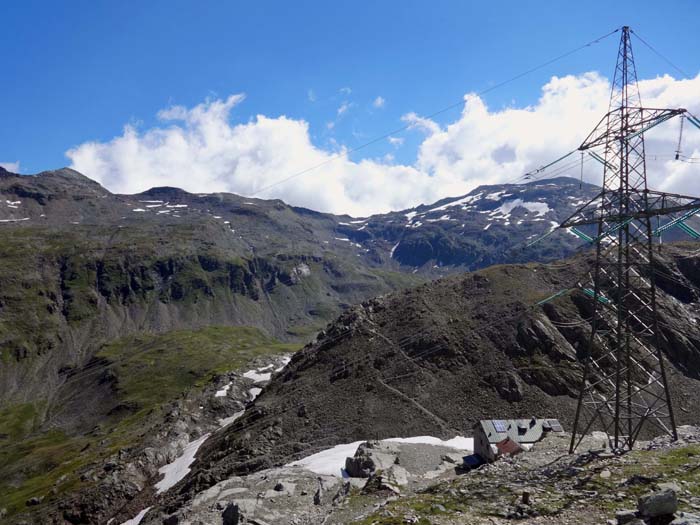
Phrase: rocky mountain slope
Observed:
(435, 359)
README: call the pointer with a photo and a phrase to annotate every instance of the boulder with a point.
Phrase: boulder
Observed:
(370, 457)
(661, 503)
(624, 517)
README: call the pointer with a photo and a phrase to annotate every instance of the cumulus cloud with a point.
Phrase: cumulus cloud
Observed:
(10, 166)
(396, 141)
(206, 149)
(379, 102)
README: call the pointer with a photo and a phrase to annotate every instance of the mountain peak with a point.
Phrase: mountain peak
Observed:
(6, 173)
(169, 192)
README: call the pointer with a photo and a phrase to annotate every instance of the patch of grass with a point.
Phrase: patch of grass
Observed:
(304, 332)
(16, 421)
(677, 457)
(398, 280)
(43, 466)
(154, 369)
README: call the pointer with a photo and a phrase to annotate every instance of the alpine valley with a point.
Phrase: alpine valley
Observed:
(175, 356)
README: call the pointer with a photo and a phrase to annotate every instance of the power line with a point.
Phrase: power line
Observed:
(657, 53)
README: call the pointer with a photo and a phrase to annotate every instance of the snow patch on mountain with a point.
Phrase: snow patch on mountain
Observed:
(505, 209)
(175, 471)
(331, 462)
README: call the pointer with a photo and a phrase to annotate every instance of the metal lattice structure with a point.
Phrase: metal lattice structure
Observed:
(624, 386)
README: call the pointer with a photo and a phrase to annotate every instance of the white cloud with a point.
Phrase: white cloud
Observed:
(202, 150)
(10, 166)
(423, 124)
(343, 108)
(379, 102)
(396, 141)
(311, 95)
(345, 90)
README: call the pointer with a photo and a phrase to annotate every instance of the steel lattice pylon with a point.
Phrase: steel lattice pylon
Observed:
(624, 385)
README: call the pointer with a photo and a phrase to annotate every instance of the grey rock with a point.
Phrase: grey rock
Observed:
(391, 480)
(669, 485)
(686, 518)
(370, 457)
(448, 459)
(625, 516)
(397, 475)
(661, 503)
(343, 491)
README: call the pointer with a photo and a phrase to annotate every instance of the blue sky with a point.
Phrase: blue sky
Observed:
(80, 71)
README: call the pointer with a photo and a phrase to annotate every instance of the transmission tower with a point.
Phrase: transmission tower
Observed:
(624, 386)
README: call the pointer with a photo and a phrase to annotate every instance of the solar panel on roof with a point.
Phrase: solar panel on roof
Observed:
(556, 426)
(499, 425)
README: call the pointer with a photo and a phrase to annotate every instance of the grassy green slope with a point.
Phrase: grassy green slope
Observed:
(151, 371)
(154, 369)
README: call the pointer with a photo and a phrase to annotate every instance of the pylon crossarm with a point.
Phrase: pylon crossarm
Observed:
(594, 216)
(639, 120)
(648, 124)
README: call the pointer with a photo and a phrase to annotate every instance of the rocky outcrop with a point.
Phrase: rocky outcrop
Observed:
(371, 457)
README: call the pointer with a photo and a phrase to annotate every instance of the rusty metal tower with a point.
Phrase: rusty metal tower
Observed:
(624, 386)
